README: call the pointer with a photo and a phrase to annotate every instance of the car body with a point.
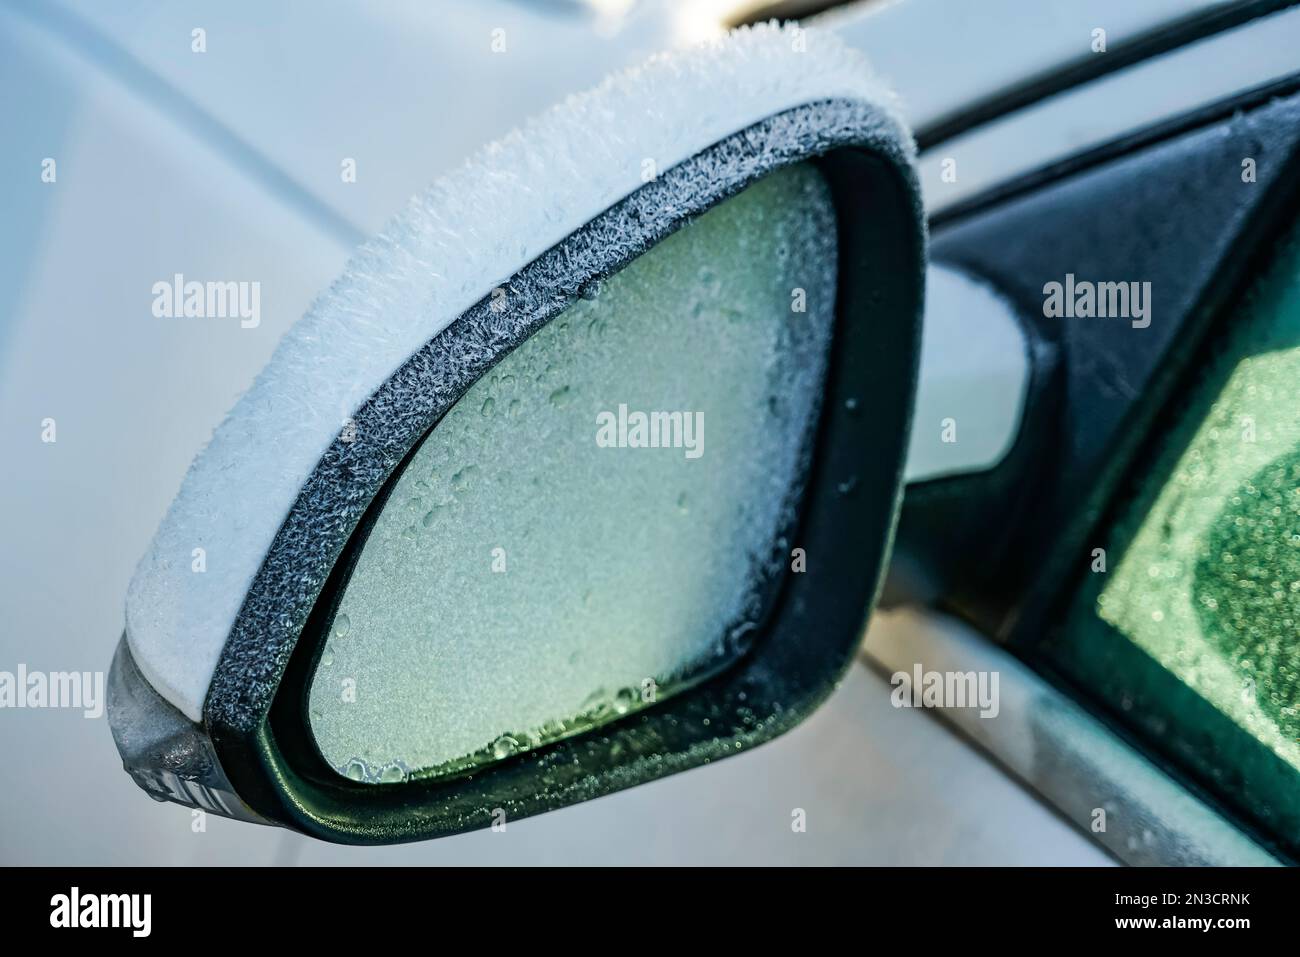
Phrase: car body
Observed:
(231, 160)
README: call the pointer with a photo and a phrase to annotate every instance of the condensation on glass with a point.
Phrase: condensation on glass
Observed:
(1192, 627)
(596, 523)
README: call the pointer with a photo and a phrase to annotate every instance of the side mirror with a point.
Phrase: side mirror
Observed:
(583, 474)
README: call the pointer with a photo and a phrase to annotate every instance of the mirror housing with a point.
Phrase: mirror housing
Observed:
(207, 688)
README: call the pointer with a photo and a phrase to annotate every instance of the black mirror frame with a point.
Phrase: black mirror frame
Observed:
(253, 713)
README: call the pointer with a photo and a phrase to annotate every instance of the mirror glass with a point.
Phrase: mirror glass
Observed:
(601, 520)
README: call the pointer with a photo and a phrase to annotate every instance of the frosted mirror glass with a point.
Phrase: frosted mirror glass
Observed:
(598, 523)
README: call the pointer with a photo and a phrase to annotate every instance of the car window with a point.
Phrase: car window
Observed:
(1188, 621)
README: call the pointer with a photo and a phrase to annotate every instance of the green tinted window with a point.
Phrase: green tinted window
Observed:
(1193, 630)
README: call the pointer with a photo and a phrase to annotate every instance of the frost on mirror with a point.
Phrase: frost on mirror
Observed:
(598, 522)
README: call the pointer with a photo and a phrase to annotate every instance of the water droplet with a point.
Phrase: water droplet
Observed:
(392, 774)
(355, 770)
(504, 746)
(624, 700)
(596, 703)
(561, 396)
(741, 637)
(488, 406)
(342, 625)
(461, 480)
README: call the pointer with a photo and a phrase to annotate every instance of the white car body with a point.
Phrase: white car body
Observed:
(229, 162)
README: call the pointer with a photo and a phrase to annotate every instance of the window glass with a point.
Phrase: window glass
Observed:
(1192, 630)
